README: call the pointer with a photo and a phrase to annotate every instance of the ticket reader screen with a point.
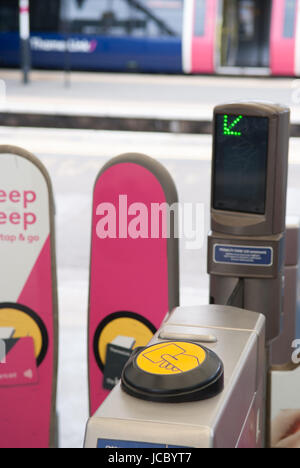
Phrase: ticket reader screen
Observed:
(240, 163)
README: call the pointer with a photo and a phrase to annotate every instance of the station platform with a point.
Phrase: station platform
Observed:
(133, 102)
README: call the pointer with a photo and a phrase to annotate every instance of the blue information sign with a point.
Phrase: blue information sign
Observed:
(243, 255)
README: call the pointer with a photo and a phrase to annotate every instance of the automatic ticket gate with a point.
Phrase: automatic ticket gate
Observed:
(129, 267)
(202, 380)
(282, 348)
(246, 248)
(219, 402)
(28, 303)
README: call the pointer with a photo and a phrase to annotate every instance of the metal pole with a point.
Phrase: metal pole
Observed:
(25, 39)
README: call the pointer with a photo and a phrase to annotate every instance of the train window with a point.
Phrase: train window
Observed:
(44, 16)
(290, 19)
(123, 17)
(9, 18)
(169, 13)
(200, 17)
(247, 13)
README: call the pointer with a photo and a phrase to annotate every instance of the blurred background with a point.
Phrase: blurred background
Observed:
(162, 36)
(85, 80)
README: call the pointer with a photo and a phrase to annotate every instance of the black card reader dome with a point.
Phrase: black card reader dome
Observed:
(173, 372)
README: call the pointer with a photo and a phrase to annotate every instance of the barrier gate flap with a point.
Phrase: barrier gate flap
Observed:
(134, 272)
(28, 303)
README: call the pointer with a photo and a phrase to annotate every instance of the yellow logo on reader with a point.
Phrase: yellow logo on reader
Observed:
(171, 358)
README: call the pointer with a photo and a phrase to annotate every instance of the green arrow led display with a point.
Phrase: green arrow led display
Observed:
(229, 128)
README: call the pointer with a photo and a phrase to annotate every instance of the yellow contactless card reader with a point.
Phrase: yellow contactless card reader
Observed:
(174, 372)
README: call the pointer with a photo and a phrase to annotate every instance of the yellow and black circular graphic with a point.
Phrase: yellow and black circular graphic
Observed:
(25, 322)
(173, 372)
(126, 324)
(171, 358)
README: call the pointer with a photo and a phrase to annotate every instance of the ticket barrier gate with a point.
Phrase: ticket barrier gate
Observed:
(207, 361)
(282, 347)
(159, 415)
(285, 357)
(132, 258)
(246, 246)
(28, 303)
(246, 262)
(281, 375)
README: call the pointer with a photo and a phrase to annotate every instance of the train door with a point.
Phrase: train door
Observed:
(244, 36)
(285, 38)
(199, 36)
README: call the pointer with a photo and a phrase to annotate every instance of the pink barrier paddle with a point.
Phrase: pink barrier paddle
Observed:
(134, 272)
(28, 303)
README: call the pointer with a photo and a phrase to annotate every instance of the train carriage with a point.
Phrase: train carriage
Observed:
(252, 37)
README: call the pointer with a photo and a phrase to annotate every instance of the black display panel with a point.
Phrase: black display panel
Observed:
(240, 163)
